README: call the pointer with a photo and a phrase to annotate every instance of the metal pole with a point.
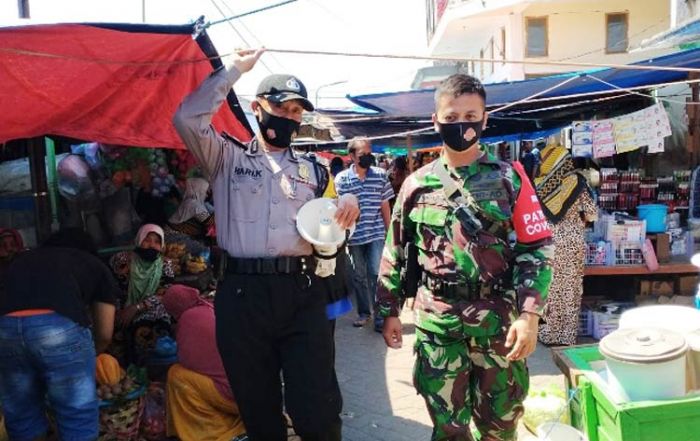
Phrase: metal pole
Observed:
(40, 191)
(52, 182)
(23, 8)
(326, 85)
(143, 11)
(409, 150)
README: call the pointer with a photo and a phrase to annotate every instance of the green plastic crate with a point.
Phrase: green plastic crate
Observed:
(596, 412)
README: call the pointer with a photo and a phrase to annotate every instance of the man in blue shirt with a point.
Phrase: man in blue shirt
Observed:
(372, 188)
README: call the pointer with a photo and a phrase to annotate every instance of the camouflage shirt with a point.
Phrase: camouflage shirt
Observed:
(518, 275)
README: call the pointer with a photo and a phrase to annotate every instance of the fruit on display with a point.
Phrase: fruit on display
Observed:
(196, 265)
(107, 370)
(118, 390)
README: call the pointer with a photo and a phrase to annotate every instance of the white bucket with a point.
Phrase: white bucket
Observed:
(559, 432)
(645, 364)
(693, 339)
(681, 319)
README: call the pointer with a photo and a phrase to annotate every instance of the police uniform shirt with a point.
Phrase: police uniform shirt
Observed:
(257, 194)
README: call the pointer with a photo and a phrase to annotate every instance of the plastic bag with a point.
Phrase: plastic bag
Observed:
(153, 421)
(544, 405)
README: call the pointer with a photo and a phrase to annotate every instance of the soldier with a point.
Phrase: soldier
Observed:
(479, 299)
(270, 309)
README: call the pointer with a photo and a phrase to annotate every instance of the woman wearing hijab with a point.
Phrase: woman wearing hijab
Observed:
(192, 216)
(142, 273)
(567, 203)
(200, 403)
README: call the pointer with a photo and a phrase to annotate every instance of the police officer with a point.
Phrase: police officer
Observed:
(270, 308)
(479, 299)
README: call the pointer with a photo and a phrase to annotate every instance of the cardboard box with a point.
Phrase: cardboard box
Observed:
(656, 287)
(662, 247)
(687, 285)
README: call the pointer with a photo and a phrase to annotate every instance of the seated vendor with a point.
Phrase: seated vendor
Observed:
(200, 403)
(193, 217)
(11, 244)
(142, 273)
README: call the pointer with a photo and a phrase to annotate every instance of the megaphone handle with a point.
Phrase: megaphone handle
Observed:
(337, 251)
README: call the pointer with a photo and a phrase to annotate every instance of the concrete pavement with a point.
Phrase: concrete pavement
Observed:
(380, 402)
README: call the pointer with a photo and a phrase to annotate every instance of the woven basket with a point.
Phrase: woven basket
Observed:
(121, 423)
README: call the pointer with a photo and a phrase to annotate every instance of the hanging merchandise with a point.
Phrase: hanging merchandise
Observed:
(603, 138)
(162, 181)
(582, 139)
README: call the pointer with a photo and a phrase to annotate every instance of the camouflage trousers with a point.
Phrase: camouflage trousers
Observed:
(469, 377)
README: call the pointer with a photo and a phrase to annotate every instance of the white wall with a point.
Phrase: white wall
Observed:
(577, 30)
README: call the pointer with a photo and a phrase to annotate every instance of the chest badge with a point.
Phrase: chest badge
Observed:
(304, 172)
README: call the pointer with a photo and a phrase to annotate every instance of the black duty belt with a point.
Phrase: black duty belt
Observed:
(277, 265)
(443, 288)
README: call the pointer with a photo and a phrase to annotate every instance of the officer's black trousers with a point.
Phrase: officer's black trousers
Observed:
(268, 323)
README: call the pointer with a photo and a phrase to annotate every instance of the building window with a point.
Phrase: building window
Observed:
(536, 37)
(616, 26)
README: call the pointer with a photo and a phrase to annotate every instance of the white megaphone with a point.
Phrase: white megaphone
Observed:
(316, 224)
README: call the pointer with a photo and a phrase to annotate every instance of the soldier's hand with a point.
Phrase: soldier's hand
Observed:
(522, 336)
(247, 58)
(348, 210)
(392, 332)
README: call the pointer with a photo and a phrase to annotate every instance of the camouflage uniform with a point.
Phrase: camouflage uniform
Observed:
(461, 369)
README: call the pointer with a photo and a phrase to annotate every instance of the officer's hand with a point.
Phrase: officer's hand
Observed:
(522, 336)
(247, 58)
(348, 211)
(392, 332)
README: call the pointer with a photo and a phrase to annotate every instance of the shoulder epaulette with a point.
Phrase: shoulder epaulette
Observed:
(234, 141)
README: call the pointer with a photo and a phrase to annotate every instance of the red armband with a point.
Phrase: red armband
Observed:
(529, 221)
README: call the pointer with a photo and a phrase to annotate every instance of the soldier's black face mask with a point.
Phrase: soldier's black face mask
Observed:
(365, 161)
(452, 134)
(284, 129)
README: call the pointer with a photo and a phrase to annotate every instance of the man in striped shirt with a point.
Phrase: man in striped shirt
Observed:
(372, 188)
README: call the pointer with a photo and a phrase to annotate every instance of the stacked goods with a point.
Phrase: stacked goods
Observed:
(161, 179)
(196, 265)
(175, 252)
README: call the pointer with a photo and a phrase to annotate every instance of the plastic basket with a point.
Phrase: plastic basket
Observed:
(604, 323)
(599, 253)
(585, 323)
(629, 253)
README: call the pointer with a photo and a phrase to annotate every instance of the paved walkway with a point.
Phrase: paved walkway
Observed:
(380, 401)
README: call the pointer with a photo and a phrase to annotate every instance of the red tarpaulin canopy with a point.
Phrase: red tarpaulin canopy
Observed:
(110, 83)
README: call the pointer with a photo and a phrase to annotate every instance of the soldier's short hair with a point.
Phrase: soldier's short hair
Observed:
(356, 142)
(460, 84)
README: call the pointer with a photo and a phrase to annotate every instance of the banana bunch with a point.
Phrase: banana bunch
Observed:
(196, 265)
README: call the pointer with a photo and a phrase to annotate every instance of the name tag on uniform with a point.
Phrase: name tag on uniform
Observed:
(488, 189)
(252, 173)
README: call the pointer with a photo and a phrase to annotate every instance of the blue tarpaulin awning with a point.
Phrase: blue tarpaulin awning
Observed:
(420, 103)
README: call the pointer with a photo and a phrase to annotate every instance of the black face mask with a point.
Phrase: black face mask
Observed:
(365, 161)
(285, 129)
(452, 134)
(147, 254)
